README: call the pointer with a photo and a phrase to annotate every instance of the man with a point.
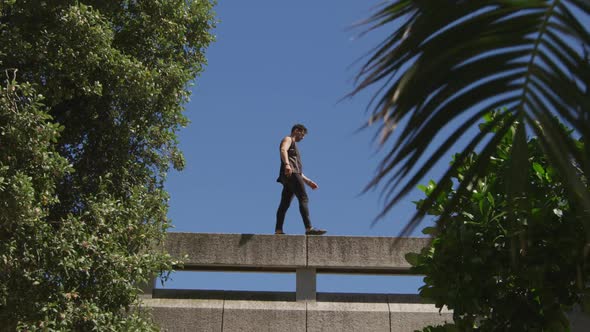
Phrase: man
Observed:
(293, 180)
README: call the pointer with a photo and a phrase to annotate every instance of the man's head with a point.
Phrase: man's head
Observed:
(298, 132)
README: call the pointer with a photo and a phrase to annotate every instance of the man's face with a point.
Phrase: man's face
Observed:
(299, 135)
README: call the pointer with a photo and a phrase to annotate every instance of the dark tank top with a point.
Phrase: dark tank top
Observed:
(295, 161)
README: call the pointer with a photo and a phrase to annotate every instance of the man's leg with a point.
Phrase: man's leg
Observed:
(299, 191)
(286, 197)
(298, 188)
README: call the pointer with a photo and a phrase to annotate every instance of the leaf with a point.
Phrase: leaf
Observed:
(412, 258)
(490, 198)
(430, 231)
(518, 165)
(539, 170)
(523, 55)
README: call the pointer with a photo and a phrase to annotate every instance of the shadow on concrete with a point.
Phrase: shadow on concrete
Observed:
(368, 298)
(245, 238)
(223, 295)
(283, 296)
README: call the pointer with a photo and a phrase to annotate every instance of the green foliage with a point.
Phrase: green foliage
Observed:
(441, 328)
(444, 66)
(85, 143)
(507, 259)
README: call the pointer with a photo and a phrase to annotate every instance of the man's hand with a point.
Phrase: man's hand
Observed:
(312, 184)
(288, 170)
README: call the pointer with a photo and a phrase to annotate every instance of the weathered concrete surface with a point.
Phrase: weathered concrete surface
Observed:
(579, 321)
(337, 313)
(409, 312)
(415, 316)
(187, 310)
(247, 251)
(306, 284)
(333, 312)
(186, 315)
(259, 316)
(265, 311)
(353, 254)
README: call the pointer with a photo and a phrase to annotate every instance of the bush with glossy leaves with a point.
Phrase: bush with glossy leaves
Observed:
(507, 259)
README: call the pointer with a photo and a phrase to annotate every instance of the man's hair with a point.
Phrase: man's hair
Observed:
(300, 127)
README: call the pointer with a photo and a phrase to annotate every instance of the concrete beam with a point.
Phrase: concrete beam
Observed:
(353, 254)
(237, 252)
(286, 253)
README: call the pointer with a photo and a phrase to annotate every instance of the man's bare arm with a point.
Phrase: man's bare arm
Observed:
(309, 182)
(285, 144)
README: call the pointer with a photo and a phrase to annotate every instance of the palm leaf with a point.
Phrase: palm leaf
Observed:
(463, 58)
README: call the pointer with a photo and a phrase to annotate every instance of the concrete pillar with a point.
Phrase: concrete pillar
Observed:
(306, 284)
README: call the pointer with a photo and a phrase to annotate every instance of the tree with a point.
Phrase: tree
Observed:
(460, 59)
(90, 108)
(502, 264)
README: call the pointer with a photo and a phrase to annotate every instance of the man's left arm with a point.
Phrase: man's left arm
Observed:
(309, 182)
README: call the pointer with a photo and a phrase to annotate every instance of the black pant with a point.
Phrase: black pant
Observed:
(293, 185)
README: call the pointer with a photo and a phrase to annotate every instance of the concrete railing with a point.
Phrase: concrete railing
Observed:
(304, 255)
(304, 310)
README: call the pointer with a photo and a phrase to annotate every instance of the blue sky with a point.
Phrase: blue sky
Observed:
(274, 64)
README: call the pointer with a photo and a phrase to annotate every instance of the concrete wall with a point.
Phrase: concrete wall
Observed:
(250, 311)
(332, 313)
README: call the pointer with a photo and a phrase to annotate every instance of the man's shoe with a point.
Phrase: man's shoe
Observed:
(279, 233)
(315, 231)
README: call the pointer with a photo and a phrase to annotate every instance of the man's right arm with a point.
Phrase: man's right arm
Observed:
(285, 144)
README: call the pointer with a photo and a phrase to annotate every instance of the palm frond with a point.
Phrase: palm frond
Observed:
(443, 62)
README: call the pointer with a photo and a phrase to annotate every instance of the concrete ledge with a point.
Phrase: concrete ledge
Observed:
(411, 321)
(286, 253)
(244, 311)
(335, 312)
(367, 313)
(186, 315)
(352, 254)
(258, 316)
(237, 251)
(413, 315)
